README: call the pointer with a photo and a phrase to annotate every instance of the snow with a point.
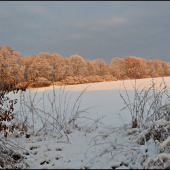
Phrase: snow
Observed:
(112, 85)
(161, 122)
(5, 123)
(107, 144)
(164, 143)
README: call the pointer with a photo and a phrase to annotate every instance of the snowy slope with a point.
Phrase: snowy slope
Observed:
(112, 85)
(95, 149)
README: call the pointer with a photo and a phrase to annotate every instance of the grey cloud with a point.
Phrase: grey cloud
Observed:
(111, 21)
(100, 24)
(90, 29)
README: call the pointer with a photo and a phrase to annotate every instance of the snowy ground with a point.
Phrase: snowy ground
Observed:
(106, 145)
(112, 85)
(117, 150)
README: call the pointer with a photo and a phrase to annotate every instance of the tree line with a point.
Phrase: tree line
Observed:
(44, 68)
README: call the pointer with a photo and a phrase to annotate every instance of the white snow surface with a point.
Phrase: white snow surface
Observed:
(112, 85)
(95, 149)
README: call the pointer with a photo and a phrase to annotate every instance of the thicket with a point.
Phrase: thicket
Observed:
(40, 70)
(150, 123)
(10, 155)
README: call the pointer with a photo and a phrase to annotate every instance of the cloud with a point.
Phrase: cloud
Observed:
(78, 36)
(98, 29)
(111, 21)
(38, 11)
(69, 38)
(101, 24)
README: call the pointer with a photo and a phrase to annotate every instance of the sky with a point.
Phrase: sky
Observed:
(102, 29)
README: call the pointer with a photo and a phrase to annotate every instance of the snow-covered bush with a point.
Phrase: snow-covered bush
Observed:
(149, 104)
(159, 133)
(150, 111)
(59, 118)
(9, 155)
(7, 107)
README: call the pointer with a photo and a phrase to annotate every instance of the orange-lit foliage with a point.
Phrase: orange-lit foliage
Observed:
(118, 68)
(102, 67)
(165, 69)
(40, 70)
(143, 67)
(90, 68)
(57, 66)
(9, 64)
(133, 67)
(77, 65)
(7, 84)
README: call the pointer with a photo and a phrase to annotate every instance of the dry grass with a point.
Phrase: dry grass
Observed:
(148, 105)
(59, 119)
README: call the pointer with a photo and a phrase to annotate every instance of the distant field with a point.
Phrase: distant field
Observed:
(141, 83)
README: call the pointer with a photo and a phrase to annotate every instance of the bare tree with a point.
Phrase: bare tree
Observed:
(40, 68)
(10, 62)
(66, 68)
(57, 64)
(157, 68)
(144, 69)
(133, 67)
(44, 66)
(77, 65)
(102, 67)
(118, 67)
(90, 67)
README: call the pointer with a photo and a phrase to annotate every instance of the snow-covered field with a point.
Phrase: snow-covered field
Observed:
(103, 144)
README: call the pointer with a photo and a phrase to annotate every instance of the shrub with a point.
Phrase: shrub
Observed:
(148, 105)
(9, 154)
(109, 78)
(6, 107)
(41, 82)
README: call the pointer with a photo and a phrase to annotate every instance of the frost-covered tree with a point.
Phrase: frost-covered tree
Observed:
(150, 67)
(165, 69)
(66, 68)
(45, 55)
(14, 68)
(26, 62)
(39, 68)
(144, 69)
(77, 65)
(57, 65)
(133, 67)
(4, 59)
(44, 66)
(102, 67)
(158, 71)
(118, 67)
(90, 68)
(10, 63)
